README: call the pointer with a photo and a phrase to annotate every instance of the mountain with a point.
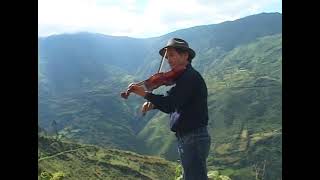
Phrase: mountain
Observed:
(81, 76)
(212, 41)
(83, 59)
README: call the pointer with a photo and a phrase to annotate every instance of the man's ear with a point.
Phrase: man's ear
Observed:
(186, 55)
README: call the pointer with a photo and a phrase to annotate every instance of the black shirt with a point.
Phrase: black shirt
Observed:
(188, 97)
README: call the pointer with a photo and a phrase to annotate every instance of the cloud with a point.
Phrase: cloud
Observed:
(141, 18)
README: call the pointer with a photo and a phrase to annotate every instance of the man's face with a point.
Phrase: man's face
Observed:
(175, 59)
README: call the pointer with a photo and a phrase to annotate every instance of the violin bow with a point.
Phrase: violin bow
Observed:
(161, 63)
(160, 67)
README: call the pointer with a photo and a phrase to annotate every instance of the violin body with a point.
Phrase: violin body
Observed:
(157, 80)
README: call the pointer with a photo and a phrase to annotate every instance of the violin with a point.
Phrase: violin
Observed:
(157, 80)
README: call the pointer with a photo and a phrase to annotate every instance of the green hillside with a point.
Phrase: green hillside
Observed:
(66, 160)
(98, 116)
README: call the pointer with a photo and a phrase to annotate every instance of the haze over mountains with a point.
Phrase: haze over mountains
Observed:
(81, 76)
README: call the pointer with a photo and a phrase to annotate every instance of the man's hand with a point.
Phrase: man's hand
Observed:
(147, 106)
(139, 90)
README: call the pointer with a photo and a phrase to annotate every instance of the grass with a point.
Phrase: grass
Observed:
(80, 161)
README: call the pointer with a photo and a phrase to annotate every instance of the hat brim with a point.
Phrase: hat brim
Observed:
(191, 52)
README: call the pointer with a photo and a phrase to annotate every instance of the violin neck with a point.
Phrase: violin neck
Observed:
(140, 83)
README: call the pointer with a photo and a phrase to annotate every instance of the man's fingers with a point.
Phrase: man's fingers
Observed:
(146, 106)
(144, 109)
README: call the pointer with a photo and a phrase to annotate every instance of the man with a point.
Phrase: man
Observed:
(186, 103)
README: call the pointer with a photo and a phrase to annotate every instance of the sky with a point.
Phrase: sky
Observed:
(142, 18)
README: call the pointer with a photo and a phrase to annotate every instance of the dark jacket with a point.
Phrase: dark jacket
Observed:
(188, 98)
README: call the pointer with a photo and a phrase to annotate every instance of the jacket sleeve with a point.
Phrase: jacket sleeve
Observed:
(177, 96)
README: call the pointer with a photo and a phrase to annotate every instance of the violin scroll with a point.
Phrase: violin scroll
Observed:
(125, 95)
